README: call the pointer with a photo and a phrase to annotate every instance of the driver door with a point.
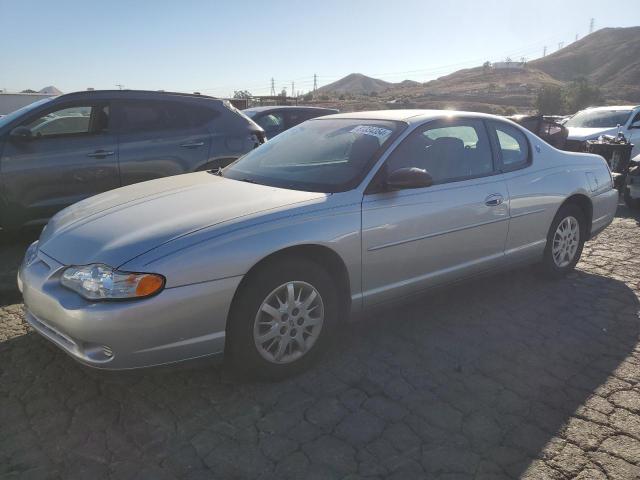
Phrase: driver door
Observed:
(417, 238)
(69, 155)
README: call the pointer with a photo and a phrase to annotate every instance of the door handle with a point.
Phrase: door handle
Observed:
(192, 145)
(100, 153)
(493, 200)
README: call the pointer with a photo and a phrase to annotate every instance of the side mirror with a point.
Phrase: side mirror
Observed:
(405, 178)
(21, 133)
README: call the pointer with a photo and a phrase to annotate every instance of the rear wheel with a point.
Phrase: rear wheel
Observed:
(282, 318)
(565, 241)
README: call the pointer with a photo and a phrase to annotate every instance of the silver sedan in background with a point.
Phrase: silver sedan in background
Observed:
(339, 214)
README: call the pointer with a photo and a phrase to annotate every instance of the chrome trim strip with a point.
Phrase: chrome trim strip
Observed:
(437, 234)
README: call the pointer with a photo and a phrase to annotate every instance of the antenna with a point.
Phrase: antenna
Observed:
(315, 82)
(591, 25)
(273, 87)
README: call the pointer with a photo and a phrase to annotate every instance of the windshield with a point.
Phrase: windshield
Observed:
(21, 111)
(249, 113)
(599, 119)
(319, 155)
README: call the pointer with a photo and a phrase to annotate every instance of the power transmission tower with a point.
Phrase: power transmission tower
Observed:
(577, 36)
(273, 87)
(560, 45)
(292, 90)
(544, 51)
(315, 82)
(591, 25)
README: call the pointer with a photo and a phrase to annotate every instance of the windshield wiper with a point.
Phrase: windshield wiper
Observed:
(216, 171)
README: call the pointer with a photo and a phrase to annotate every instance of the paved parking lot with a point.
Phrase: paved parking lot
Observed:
(506, 377)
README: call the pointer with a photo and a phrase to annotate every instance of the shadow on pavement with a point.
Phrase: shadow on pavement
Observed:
(471, 380)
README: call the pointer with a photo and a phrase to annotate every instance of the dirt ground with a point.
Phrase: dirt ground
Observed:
(509, 376)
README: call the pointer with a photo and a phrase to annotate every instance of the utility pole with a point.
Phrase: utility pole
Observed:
(591, 25)
(544, 51)
(315, 82)
(273, 87)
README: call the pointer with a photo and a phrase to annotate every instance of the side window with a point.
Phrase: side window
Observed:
(448, 152)
(71, 121)
(513, 145)
(271, 122)
(142, 116)
(154, 115)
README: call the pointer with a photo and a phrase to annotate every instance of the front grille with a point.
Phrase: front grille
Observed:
(52, 333)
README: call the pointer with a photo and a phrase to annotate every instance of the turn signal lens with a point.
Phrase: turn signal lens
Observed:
(101, 282)
(148, 285)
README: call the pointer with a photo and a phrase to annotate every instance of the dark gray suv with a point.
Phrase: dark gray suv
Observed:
(58, 151)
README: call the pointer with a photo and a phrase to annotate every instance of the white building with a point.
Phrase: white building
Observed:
(13, 101)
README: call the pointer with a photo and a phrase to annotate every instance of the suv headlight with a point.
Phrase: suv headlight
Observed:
(101, 282)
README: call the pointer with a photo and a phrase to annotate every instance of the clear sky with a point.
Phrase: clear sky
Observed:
(216, 47)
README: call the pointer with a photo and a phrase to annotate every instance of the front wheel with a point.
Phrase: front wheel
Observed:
(282, 318)
(565, 240)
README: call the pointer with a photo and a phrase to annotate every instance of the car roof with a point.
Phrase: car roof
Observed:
(411, 116)
(288, 107)
(134, 94)
(614, 107)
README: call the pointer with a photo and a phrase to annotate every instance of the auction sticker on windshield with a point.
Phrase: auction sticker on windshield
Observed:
(378, 132)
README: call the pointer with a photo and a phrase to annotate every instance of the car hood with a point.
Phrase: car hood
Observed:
(116, 226)
(576, 133)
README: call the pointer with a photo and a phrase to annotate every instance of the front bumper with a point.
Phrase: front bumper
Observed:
(177, 324)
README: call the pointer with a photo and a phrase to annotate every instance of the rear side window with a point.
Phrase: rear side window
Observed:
(513, 145)
(155, 116)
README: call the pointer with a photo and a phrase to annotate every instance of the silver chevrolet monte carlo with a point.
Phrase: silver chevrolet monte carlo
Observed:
(264, 259)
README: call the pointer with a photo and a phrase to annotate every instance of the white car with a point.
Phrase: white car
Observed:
(590, 123)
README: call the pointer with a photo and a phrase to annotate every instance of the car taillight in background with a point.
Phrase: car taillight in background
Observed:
(259, 138)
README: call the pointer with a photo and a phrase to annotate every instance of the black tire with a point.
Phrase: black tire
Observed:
(632, 203)
(241, 349)
(549, 266)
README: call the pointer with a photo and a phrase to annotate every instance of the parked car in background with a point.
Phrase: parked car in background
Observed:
(276, 120)
(590, 123)
(547, 128)
(267, 257)
(57, 151)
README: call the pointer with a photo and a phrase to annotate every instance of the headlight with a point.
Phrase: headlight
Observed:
(101, 282)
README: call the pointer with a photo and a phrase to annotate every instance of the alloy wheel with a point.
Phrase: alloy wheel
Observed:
(288, 322)
(565, 241)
